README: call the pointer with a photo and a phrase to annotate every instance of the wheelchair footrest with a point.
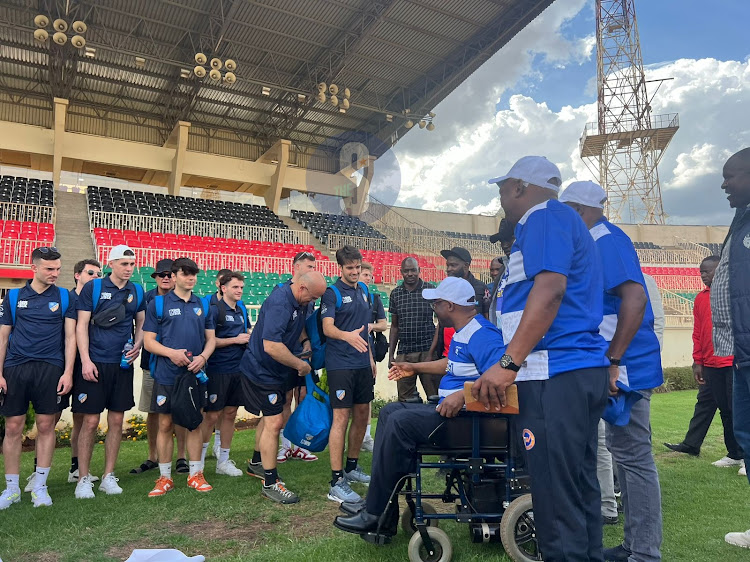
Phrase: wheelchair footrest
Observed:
(376, 538)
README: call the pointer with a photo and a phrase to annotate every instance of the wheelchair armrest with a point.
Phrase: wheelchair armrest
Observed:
(416, 399)
(434, 399)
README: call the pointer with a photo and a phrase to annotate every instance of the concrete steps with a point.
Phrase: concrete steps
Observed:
(73, 237)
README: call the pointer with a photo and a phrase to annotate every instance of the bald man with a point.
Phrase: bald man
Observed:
(412, 330)
(730, 304)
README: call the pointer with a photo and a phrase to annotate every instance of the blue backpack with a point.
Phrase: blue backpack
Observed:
(310, 423)
(314, 330)
(13, 302)
(159, 305)
(96, 292)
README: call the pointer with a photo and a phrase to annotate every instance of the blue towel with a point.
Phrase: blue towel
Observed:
(617, 411)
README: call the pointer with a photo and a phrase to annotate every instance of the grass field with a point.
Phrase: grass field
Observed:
(234, 523)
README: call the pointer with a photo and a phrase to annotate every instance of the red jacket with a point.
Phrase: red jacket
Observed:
(703, 347)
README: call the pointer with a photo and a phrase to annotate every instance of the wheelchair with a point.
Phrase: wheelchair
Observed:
(486, 481)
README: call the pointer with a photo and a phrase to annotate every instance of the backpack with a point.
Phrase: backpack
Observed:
(380, 344)
(310, 423)
(189, 397)
(314, 331)
(222, 306)
(13, 303)
(159, 306)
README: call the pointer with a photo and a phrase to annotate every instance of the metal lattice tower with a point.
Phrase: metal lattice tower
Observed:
(624, 148)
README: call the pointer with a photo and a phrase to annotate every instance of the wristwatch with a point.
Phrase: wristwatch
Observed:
(614, 362)
(506, 362)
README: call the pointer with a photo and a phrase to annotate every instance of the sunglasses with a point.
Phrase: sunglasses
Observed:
(48, 250)
(92, 272)
(164, 274)
(434, 303)
(304, 256)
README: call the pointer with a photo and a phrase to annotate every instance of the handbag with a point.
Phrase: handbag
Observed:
(310, 423)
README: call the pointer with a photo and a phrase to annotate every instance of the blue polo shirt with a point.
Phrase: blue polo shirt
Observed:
(183, 326)
(105, 344)
(355, 311)
(39, 330)
(641, 365)
(552, 237)
(474, 349)
(145, 355)
(226, 360)
(281, 319)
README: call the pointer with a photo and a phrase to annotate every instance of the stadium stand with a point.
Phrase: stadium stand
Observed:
(646, 246)
(321, 225)
(712, 246)
(21, 190)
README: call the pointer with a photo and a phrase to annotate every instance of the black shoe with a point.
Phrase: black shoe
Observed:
(362, 523)
(148, 464)
(352, 508)
(613, 520)
(182, 466)
(682, 448)
(616, 554)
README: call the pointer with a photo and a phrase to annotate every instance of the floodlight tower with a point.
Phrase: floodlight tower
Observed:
(625, 146)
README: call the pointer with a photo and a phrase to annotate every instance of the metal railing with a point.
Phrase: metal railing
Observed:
(336, 241)
(662, 256)
(666, 120)
(14, 252)
(121, 221)
(701, 251)
(31, 213)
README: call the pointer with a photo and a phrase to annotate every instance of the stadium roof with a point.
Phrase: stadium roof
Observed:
(398, 58)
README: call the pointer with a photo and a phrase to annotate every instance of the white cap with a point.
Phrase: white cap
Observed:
(452, 289)
(536, 170)
(585, 193)
(119, 252)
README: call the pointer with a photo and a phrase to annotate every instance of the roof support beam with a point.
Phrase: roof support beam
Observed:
(61, 109)
(178, 162)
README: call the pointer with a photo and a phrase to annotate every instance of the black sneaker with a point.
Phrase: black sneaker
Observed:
(279, 493)
(610, 520)
(682, 448)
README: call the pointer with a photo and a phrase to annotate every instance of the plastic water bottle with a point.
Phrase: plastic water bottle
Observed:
(124, 364)
(200, 375)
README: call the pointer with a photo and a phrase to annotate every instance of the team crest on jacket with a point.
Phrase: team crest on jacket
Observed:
(212, 398)
(130, 298)
(273, 398)
(340, 394)
(198, 310)
(746, 241)
(528, 439)
(82, 398)
(53, 306)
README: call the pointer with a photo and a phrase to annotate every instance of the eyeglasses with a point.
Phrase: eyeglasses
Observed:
(44, 250)
(434, 303)
(164, 274)
(93, 273)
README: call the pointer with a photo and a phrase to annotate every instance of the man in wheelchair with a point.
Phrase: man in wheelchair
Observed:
(402, 428)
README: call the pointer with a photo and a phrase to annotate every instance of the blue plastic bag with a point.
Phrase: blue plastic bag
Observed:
(310, 423)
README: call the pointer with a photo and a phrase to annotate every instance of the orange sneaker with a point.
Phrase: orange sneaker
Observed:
(198, 483)
(163, 485)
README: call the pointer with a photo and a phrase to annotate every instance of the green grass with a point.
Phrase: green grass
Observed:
(234, 523)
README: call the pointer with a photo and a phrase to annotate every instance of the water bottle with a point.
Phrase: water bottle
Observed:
(200, 375)
(124, 364)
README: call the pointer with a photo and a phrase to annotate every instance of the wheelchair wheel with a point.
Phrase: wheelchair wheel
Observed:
(440, 541)
(407, 519)
(517, 531)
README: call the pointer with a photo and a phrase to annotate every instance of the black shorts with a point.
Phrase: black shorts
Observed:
(35, 382)
(351, 386)
(113, 391)
(224, 390)
(161, 398)
(293, 380)
(266, 400)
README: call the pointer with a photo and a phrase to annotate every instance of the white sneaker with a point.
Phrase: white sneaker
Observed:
(40, 497)
(30, 482)
(726, 462)
(368, 444)
(228, 468)
(738, 539)
(73, 477)
(9, 497)
(109, 485)
(284, 454)
(85, 488)
(742, 471)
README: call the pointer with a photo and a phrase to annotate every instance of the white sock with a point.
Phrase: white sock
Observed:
(367, 431)
(223, 455)
(165, 469)
(195, 467)
(203, 453)
(11, 482)
(41, 477)
(217, 437)
(285, 443)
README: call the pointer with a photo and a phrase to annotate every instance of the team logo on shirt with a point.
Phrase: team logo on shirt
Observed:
(340, 394)
(346, 300)
(161, 400)
(130, 298)
(198, 310)
(229, 318)
(294, 315)
(273, 398)
(59, 399)
(2, 311)
(528, 439)
(23, 304)
(82, 398)
(105, 296)
(212, 398)
(746, 241)
(175, 312)
(53, 306)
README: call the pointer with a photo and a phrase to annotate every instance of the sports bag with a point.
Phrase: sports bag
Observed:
(310, 423)
(112, 315)
(189, 397)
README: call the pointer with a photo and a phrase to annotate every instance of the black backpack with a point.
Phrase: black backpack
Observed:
(380, 346)
(189, 397)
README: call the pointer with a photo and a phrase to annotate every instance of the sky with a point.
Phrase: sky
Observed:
(536, 94)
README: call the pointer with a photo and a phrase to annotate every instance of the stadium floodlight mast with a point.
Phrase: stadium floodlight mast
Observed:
(623, 149)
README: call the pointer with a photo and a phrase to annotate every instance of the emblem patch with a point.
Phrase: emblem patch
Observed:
(273, 398)
(161, 400)
(53, 306)
(198, 311)
(212, 398)
(340, 394)
(130, 298)
(528, 439)
(82, 397)
(746, 242)
(59, 399)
